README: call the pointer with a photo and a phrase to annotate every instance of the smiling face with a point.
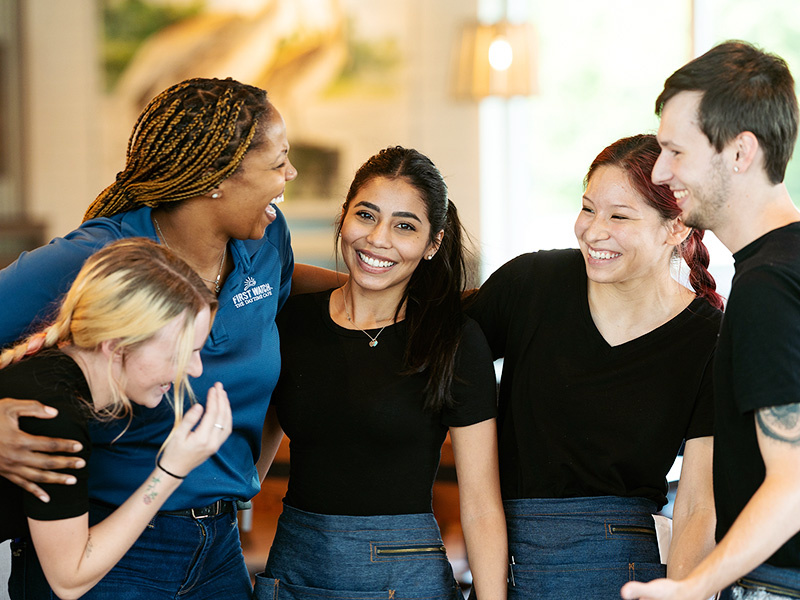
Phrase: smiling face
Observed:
(148, 370)
(621, 237)
(385, 233)
(248, 197)
(690, 165)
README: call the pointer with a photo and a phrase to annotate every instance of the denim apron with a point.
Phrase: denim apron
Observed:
(766, 582)
(360, 558)
(580, 547)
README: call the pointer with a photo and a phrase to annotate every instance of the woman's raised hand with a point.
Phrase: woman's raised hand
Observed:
(195, 439)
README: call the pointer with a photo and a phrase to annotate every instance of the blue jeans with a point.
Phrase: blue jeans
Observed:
(178, 557)
(175, 557)
(580, 547)
(359, 558)
(26, 580)
(767, 582)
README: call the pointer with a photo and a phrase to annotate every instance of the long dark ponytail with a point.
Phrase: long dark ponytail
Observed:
(432, 299)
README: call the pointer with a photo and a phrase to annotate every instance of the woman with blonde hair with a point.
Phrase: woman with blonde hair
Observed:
(132, 323)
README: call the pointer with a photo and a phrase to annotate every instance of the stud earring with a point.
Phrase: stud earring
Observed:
(430, 256)
(215, 195)
(735, 169)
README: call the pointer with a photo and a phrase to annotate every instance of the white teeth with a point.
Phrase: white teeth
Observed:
(375, 263)
(680, 194)
(603, 255)
(278, 199)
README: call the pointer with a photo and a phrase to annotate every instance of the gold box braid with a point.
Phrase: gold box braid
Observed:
(188, 139)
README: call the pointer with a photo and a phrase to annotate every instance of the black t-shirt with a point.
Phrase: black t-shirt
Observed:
(360, 441)
(757, 365)
(578, 417)
(54, 379)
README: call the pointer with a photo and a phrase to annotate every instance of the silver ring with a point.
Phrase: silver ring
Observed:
(219, 426)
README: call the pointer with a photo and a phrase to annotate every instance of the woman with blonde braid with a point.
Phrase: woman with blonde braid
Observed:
(206, 164)
(133, 321)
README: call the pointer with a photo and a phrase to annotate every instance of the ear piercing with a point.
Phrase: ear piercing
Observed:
(735, 169)
(215, 195)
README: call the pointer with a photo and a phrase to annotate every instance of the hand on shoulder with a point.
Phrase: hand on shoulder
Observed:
(22, 456)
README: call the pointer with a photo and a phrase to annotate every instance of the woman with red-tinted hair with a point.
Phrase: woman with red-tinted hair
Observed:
(607, 371)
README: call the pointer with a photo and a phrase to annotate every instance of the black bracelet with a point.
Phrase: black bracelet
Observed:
(158, 464)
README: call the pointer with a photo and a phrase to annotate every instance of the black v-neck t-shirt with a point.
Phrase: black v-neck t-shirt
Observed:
(578, 417)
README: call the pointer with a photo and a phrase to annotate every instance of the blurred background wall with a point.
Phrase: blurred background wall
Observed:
(351, 77)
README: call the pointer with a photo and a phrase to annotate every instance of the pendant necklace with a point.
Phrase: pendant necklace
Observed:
(373, 341)
(217, 287)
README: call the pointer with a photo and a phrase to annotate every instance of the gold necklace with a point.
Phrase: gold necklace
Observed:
(373, 341)
(217, 287)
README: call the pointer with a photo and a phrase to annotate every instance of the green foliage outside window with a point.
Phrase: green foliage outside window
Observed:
(127, 23)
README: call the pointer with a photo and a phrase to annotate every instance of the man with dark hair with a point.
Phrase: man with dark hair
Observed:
(728, 127)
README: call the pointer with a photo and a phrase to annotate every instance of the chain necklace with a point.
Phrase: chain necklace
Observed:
(217, 287)
(373, 341)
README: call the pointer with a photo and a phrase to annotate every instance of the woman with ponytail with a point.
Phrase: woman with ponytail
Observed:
(374, 375)
(607, 371)
(132, 323)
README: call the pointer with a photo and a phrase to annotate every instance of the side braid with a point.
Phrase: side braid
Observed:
(52, 336)
(188, 139)
(696, 255)
(13, 354)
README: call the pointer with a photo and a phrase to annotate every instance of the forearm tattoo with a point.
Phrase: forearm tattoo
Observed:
(150, 492)
(781, 423)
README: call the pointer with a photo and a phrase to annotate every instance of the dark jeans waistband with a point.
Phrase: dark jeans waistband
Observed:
(776, 580)
(593, 505)
(357, 522)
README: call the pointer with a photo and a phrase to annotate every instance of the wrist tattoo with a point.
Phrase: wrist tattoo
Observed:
(150, 492)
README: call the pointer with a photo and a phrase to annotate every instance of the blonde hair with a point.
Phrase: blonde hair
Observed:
(188, 140)
(127, 292)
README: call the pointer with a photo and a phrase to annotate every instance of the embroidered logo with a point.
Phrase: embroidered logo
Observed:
(252, 293)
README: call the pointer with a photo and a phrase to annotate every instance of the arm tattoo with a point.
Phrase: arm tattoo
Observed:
(781, 423)
(150, 492)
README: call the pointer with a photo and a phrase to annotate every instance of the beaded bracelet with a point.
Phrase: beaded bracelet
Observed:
(158, 464)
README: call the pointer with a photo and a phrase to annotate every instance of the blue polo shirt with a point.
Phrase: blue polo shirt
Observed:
(242, 352)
